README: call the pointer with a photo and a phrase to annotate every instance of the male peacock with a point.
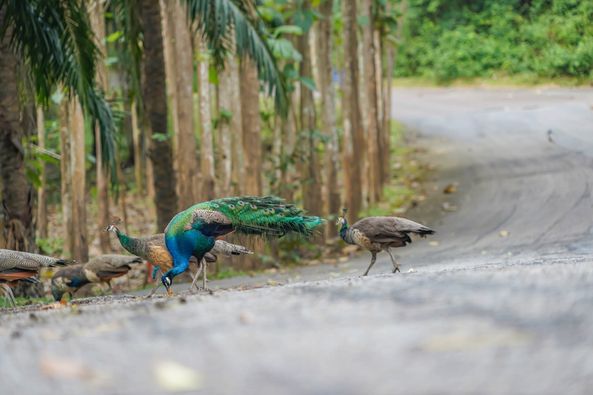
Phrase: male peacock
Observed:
(378, 234)
(100, 269)
(153, 249)
(22, 266)
(193, 232)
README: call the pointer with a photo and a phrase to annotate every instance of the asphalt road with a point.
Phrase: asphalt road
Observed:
(501, 301)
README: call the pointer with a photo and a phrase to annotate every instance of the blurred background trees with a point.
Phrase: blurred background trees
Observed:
(227, 97)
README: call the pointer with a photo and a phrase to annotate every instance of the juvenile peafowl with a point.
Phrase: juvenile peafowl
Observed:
(22, 266)
(100, 269)
(153, 249)
(378, 234)
(193, 232)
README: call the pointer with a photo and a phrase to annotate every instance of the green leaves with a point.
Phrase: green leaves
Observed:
(234, 25)
(55, 39)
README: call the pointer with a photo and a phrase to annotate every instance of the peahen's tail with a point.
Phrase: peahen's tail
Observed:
(265, 216)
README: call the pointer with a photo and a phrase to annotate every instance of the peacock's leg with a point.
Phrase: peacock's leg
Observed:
(204, 281)
(395, 264)
(196, 276)
(373, 259)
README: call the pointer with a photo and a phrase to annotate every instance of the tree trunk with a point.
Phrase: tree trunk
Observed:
(79, 246)
(354, 144)
(98, 24)
(328, 120)
(207, 149)
(139, 162)
(226, 113)
(66, 179)
(18, 229)
(238, 169)
(155, 101)
(371, 106)
(41, 196)
(252, 149)
(187, 166)
(310, 180)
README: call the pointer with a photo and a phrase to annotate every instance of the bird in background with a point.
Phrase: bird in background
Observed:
(193, 232)
(377, 234)
(23, 266)
(100, 269)
(153, 249)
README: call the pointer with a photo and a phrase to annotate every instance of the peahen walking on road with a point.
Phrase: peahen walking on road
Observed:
(22, 266)
(100, 269)
(378, 234)
(193, 232)
(153, 249)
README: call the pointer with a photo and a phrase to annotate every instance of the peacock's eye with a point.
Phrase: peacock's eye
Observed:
(253, 207)
(241, 203)
(215, 205)
(231, 206)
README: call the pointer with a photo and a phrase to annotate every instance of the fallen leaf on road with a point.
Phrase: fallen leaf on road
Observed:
(64, 368)
(504, 233)
(434, 243)
(175, 377)
(451, 188)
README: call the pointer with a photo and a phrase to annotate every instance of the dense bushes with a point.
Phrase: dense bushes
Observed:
(449, 39)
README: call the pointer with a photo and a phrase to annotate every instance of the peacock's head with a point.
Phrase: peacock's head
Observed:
(342, 218)
(167, 280)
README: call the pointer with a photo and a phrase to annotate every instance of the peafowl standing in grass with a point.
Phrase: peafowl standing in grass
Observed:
(153, 249)
(193, 232)
(100, 269)
(378, 234)
(22, 266)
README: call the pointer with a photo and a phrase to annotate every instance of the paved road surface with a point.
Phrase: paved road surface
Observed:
(502, 305)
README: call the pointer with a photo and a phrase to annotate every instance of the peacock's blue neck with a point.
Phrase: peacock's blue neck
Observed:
(185, 245)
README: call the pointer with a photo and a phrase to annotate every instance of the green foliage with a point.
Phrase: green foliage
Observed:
(26, 301)
(451, 39)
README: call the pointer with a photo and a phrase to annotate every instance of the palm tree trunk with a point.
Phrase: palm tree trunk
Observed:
(155, 101)
(66, 179)
(98, 25)
(187, 165)
(225, 109)
(371, 106)
(207, 148)
(41, 196)
(310, 182)
(18, 229)
(328, 108)
(354, 144)
(237, 166)
(139, 163)
(249, 86)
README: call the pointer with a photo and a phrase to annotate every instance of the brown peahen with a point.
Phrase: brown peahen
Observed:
(378, 234)
(153, 249)
(100, 269)
(22, 266)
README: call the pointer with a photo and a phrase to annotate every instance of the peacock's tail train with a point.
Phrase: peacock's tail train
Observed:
(263, 216)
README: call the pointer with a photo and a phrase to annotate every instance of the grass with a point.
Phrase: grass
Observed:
(520, 80)
(22, 301)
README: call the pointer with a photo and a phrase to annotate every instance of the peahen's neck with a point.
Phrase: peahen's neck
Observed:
(344, 232)
(131, 244)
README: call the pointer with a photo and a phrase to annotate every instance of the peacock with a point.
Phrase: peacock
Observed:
(153, 249)
(100, 269)
(378, 234)
(23, 266)
(193, 232)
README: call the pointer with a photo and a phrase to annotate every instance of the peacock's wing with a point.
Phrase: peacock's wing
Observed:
(381, 230)
(266, 216)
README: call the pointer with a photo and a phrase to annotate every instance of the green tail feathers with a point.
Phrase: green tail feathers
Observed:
(265, 216)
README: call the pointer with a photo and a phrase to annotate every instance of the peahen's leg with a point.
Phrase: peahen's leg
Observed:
(204, 281)
(197, 275)
(157, 283)
(373, 259)
(395, 264)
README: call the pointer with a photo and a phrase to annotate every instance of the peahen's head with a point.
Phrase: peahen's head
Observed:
(342, 218)
(112, 227)
(167, 280)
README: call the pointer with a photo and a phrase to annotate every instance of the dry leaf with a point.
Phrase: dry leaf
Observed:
(434, 243)
(451, 188)
(175, 377)
(504, 233)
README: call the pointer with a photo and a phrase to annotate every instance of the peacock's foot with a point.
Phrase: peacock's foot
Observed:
(396, 270)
